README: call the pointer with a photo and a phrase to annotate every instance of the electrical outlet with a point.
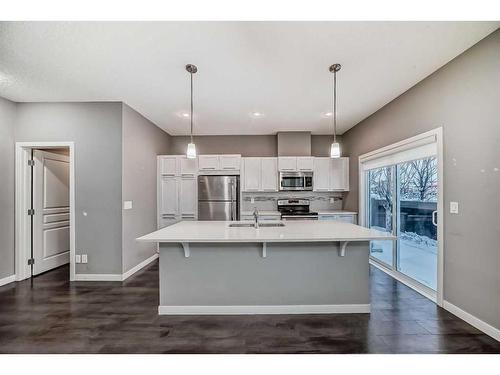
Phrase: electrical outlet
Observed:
(332, 200)
(78, 258)
(252, 200)
(453, 207)
(127, 205)
(84, 258)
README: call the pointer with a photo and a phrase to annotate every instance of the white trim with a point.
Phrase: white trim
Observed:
(98, 277)
(472, 320)
(137, 268)
(7, 280)
(263, 309)
(406, 280)
(22, 248)
(406, 144)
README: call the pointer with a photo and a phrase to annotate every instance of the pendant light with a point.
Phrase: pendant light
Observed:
(335, 147)
(191, 148)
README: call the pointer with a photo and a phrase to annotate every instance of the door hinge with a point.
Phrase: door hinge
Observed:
(31, 162)
(31, 212)
(31, 261)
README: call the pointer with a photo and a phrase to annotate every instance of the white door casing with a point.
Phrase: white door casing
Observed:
(51, 202)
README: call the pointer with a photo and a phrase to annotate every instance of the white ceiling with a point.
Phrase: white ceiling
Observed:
(277, 68)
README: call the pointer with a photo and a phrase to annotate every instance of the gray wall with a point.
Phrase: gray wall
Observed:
(464, 98)
(96, 129)
(7, 122)
(246, 145)
(142, 142)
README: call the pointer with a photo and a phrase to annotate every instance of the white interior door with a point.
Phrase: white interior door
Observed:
(51, 224)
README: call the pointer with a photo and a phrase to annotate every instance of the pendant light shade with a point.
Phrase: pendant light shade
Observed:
(335, 147)
(191, 151)
(335, 150)
(191, 148)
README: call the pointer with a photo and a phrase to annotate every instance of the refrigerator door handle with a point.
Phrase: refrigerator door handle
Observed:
(231, 198)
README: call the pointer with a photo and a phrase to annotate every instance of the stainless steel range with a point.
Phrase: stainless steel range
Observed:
(296, 209)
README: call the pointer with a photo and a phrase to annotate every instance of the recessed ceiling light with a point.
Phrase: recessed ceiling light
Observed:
(257, 114)
(327, 114)
(183, 114)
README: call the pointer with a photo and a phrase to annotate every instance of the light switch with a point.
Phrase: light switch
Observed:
(453, 207)
(127, 205)
(84, 258)
(78, 258)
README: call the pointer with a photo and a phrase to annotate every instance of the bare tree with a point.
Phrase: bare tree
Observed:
(425, 178)
(381, 189)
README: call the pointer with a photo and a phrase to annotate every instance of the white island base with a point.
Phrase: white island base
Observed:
(302, 268)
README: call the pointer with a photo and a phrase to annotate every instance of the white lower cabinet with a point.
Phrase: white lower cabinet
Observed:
(187, 197)
(177, 200)
(345, 218)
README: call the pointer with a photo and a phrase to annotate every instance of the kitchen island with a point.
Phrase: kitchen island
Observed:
(292, 267)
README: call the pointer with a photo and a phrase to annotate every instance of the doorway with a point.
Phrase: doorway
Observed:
(45, 229)
(401, 189)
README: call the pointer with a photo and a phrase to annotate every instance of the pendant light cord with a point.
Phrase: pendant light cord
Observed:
(334, 109)
(191, 117)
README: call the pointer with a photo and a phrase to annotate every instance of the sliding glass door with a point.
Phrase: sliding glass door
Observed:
(401, 198)
(380, 211)
(416, 220)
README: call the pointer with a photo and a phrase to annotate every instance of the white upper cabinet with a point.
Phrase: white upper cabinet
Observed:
(269, 174)
(252, 174)
(305, 163)
(168, 165)
(188, 167)
(321, 174)
(260, 174)
(331, 174)
(208, 162)
(177, 165)
(219, 162)
(187, 197)
(339, 174)
(287, 163)
(230, 162)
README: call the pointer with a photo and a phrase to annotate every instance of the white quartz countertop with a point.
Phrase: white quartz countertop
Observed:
(293, 231)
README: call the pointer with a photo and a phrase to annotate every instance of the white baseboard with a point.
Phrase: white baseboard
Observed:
(266, 309)
(140, 266)
(472, 320)
(7, 280)
(114, 277)
(98, 277)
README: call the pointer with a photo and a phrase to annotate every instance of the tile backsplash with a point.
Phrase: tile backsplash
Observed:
(268, 201)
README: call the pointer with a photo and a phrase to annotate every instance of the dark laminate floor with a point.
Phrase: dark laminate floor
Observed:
(54, 316)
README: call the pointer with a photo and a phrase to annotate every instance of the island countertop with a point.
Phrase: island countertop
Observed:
(292, 231)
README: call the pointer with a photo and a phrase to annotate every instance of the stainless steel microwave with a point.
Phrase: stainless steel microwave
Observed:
(296, 181)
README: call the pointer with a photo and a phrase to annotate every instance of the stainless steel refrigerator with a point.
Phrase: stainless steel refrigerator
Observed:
(218, 197)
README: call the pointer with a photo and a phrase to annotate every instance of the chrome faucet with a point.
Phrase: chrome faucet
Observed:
(256, 218)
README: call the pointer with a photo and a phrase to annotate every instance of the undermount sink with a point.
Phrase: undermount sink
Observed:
(265, 225)
(251, 225)
(241, 225)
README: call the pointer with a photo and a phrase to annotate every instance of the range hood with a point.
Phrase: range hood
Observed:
(294, 143)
